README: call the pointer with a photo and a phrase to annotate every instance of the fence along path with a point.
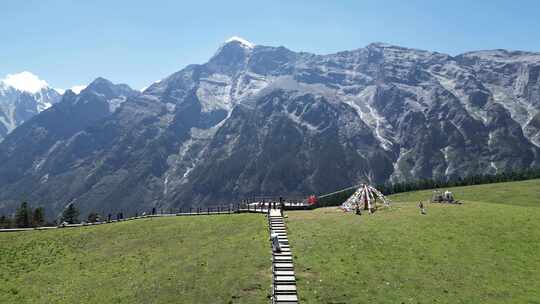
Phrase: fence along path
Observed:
(220, 210)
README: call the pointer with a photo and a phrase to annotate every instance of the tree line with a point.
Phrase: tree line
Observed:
(423, 184)
(27, 217)
(476, 179)
(24, 217)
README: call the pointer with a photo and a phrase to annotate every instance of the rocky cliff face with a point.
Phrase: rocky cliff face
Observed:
(264, 120)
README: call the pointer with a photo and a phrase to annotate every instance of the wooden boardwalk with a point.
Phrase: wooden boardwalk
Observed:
(283, 277)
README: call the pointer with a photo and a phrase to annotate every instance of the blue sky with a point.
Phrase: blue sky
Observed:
(137, 42)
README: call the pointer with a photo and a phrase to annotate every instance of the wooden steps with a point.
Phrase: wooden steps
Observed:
(284, 289)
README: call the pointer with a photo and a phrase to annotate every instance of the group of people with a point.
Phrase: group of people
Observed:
(119, 216)
(357, 210)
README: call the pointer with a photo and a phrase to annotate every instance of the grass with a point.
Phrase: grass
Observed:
(523, 193)
(206, 259)
(484, 251)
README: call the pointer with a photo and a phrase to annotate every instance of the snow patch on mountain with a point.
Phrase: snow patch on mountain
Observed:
(369, 115)
(242, 41)
(299, 121)
(115, 103)
(445, 152)
(492, 165)
(25, 82)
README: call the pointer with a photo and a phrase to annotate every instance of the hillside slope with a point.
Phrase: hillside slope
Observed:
(485, 251)
(205, 259)
(523, 193)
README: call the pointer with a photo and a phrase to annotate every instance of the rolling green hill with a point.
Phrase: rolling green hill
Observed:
(484, 251)
(205, 259)
(523, 193)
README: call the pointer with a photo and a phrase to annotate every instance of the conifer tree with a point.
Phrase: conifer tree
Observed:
(93, 217)
(70, 214)
(5, 222)
(38, 217)
(23, 216)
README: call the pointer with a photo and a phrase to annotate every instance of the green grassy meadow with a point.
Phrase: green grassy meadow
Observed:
(204, 259)
(523, 193)
(484, 251)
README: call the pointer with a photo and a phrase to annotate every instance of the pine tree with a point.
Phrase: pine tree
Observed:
(5, 222)
(23, 216)
(70, 214)
(38, 218)
(93, 217)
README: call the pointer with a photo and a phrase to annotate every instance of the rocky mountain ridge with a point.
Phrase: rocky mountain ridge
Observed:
(259, 120)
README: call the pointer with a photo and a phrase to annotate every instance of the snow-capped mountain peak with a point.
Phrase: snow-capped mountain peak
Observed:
(232, 55)
(25, 82)
(242, 41)
(22, 96)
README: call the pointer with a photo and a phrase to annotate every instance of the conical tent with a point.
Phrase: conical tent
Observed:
(364, 198)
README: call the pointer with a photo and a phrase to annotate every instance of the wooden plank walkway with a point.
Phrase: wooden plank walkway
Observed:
(283, 277)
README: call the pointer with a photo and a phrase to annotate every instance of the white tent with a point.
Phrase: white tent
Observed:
(365, 198)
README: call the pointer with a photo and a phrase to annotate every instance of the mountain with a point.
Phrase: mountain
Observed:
(259, 120)
(22, 96)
